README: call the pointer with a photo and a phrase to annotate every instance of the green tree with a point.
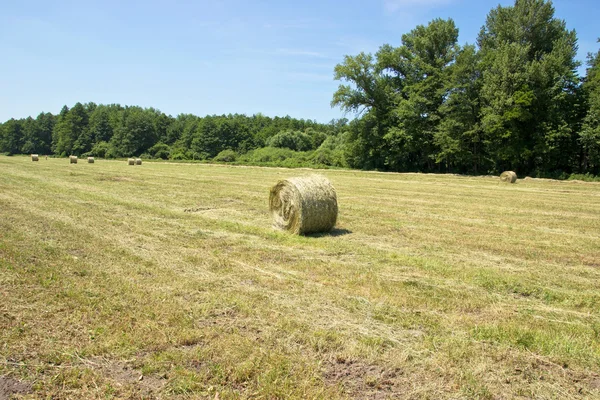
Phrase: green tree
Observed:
(134, 133)
(45, 125)
(100, 127)
(294, 140)
(529, 89)
(367, 93)
(589, 137)
(71, 134)
(11, 139)
(30, 137)
(421, 71)
(459, 135)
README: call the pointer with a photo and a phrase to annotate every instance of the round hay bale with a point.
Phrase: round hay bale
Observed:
(130, 161)
(304, 205)
(35, 157)
(72, 159)
(508, 176)
(90, 160)
(138, 161)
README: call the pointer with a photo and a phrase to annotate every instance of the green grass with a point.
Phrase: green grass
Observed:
(167, 280)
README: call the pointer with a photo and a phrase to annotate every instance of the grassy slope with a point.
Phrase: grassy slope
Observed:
(166, 280)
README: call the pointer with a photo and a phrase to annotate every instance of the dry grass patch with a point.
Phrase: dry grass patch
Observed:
(436, 287)
(304, 205)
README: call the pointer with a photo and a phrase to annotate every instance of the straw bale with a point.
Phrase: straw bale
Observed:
(304, 205)
(508, 177)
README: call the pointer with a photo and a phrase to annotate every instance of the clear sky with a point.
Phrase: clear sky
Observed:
(275, 57)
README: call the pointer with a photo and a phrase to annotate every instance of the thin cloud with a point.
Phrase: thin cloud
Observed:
(311, 77)
(302, 53)
(392, 6)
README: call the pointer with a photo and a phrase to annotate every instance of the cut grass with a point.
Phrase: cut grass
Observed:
(431, 287)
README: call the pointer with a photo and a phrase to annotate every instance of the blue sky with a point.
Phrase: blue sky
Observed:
(215, 57)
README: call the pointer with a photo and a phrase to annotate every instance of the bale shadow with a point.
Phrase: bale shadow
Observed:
(333, 233)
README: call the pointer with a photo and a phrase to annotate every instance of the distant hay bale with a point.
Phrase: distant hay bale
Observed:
(73, 160)
(138, 161)
(35, 157)
(90, 160)
(508, 176)
(130, 161)
(304, 205)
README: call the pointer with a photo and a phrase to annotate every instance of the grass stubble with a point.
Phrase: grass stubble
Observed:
(169, 281)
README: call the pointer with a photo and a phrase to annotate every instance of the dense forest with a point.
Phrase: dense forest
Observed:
(114, 131)
(512, 101)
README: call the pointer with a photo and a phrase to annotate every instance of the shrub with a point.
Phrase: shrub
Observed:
(100, 149)
(160, 150)
(293, 140)
(178, 156)
(584, 177)
(268, 155)
(226, 156)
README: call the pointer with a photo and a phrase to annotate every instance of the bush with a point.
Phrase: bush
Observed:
(178, 156)
(268, 155)
(226, 156)
(100, 149)
(293, 140)
(330, 153)
(160, 150)
(584, 177)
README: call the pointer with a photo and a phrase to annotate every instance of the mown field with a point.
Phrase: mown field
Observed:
(167, 280)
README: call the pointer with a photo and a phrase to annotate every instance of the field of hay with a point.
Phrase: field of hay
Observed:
(167, 280)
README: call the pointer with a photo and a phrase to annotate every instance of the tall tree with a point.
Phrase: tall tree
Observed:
(422, 68)
(100, 127)
(367, 93)
(45, 125)
(459, 134)
(529, 87)
(71, 134)
(11, 139)
(589, 136)
(135, 132)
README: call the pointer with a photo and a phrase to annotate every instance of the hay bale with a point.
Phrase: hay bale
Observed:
(138, 161)
(72, 159)
(90, 160)
(508, 176)
(130, 161)
(35, 157)
(304, 205)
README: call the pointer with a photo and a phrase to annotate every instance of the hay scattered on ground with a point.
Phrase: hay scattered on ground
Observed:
(508, 176)
(304, 205)
(130, 161)
(138, 161)
(91, 160)
(35, 157)
(73, 160)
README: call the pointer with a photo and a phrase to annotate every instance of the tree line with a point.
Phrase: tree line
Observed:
(512, 101)
(114, 131)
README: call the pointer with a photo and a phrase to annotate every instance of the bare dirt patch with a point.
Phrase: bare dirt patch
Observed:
(10, 387)
(126, 375)
(364, 381)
